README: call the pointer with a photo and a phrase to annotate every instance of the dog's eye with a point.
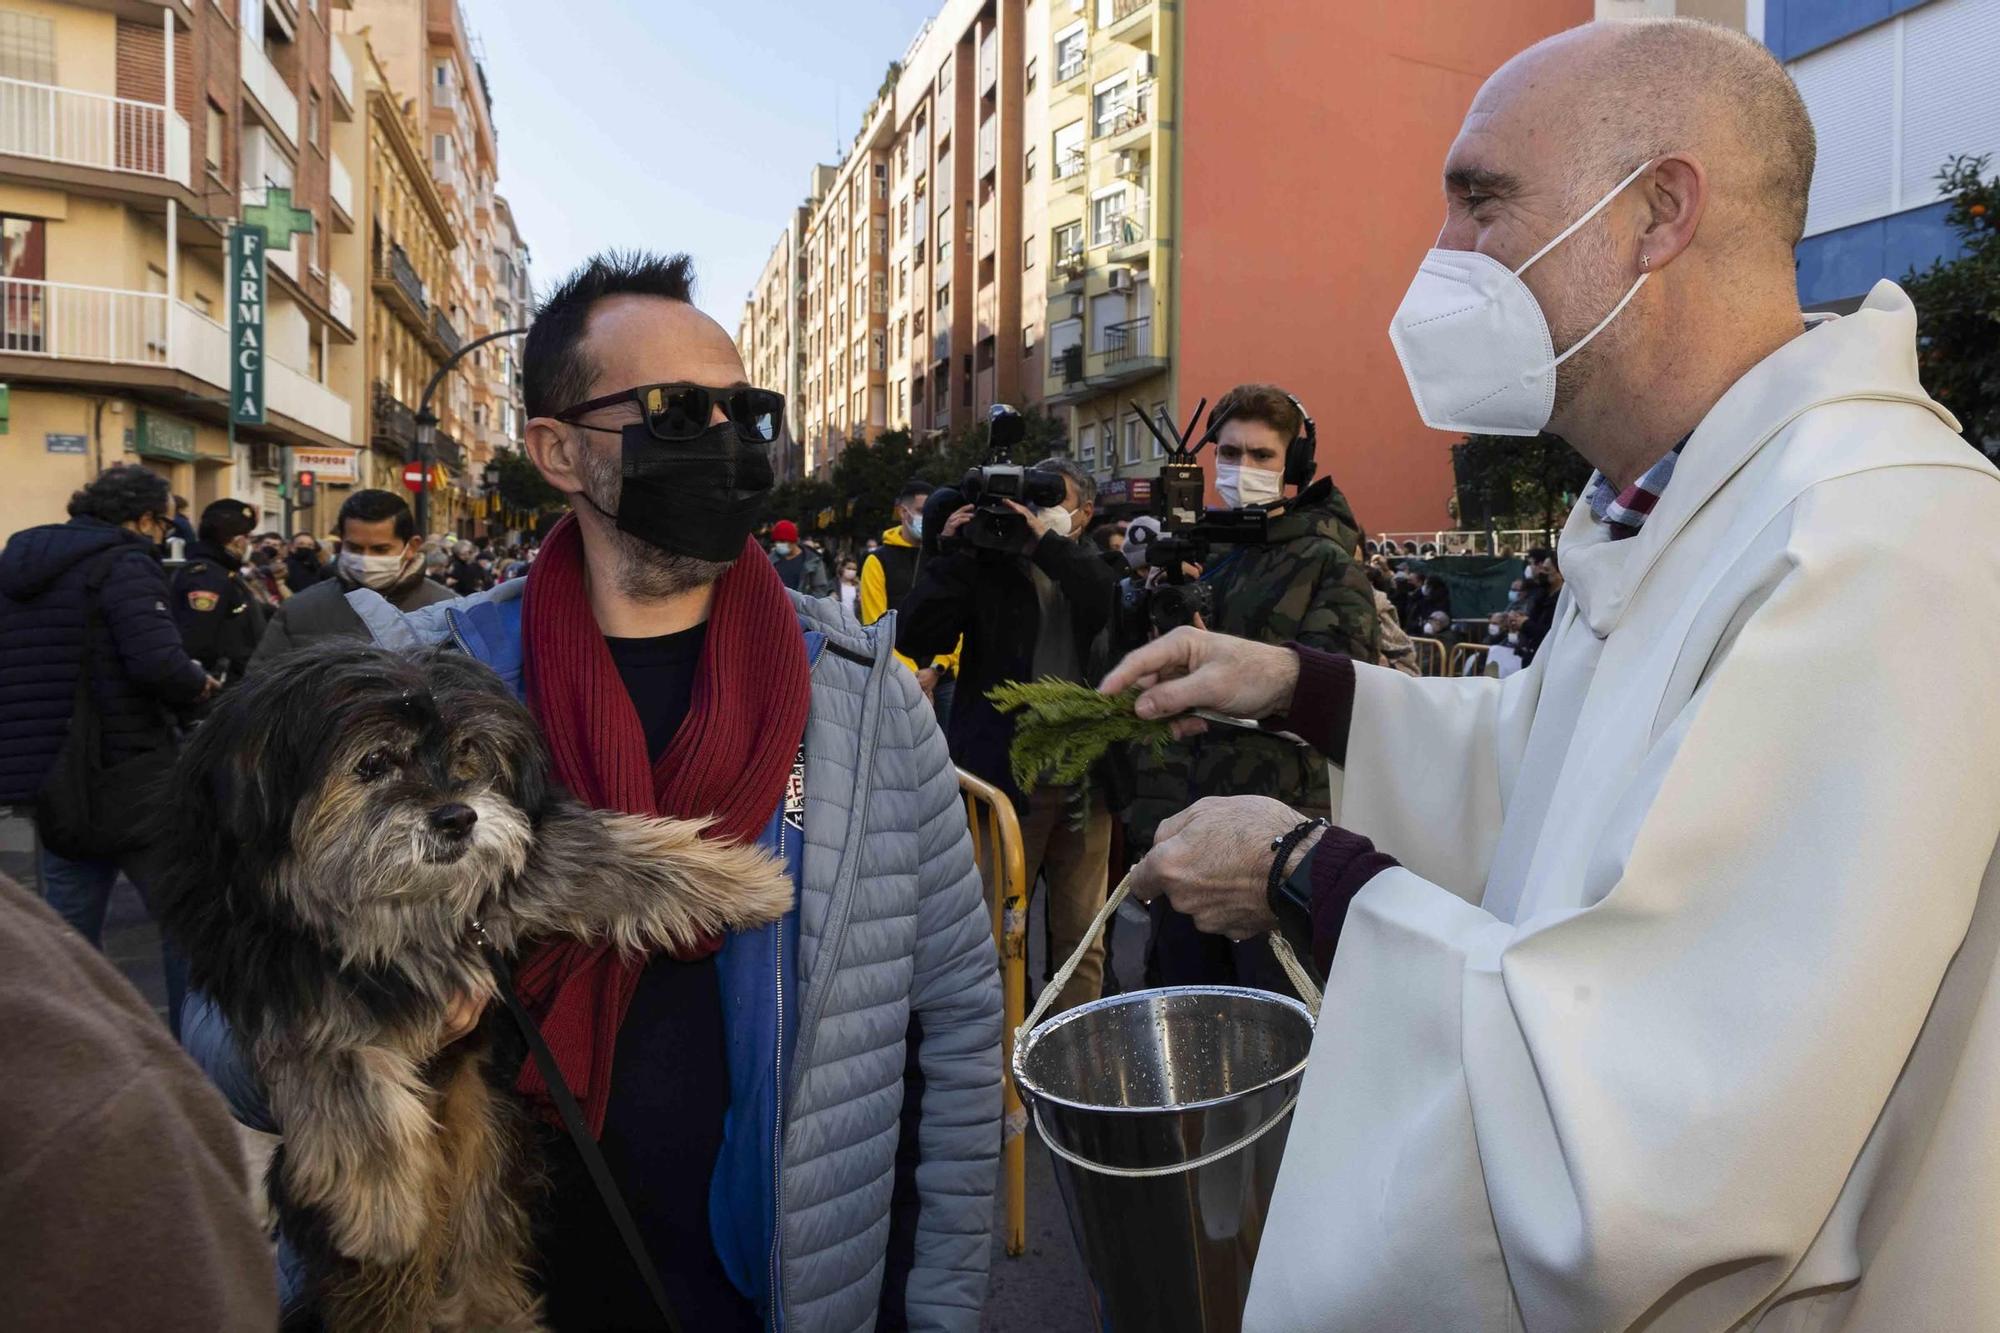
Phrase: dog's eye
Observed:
(374, 764)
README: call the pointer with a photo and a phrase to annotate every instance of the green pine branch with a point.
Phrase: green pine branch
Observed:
(1062, 728)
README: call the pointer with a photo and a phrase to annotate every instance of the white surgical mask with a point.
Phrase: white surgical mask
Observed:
(917, 526)
(1058, 519)
(1474, 342)
(1239, 485)
(380, 572)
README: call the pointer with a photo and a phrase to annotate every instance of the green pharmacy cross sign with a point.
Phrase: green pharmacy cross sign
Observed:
(274, 222)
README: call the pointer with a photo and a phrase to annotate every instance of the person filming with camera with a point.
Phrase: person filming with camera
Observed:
(1299, 584)
(1031, 603)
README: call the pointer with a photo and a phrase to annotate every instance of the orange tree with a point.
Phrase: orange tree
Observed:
(1958, 305)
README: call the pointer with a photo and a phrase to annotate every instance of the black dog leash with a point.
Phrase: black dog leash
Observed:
(579, 1132)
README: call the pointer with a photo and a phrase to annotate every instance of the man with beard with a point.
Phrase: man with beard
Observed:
(379, 549)
(1662, 973)
(803, 1119)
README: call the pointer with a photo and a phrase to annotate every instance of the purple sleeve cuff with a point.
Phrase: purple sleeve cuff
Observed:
(1342, 863)
(1322, 703)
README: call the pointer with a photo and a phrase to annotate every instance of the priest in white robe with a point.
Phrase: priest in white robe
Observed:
(1661, 974)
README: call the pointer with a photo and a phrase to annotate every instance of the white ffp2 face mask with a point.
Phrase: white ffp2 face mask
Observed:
(380, 572)
(1059, 520)
(1474, 342)
(1239, 485)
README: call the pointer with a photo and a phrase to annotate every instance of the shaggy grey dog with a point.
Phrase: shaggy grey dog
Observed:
(336, 834)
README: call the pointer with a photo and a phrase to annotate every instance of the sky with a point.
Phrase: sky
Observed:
(677, 124)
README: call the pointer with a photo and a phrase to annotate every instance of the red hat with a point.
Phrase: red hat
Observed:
(784, 530)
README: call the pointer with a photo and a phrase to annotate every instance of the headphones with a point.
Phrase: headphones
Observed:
(1302, 454)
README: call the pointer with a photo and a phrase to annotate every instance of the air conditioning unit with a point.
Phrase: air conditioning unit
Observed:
(1121, 280)
(1146, 68)
(263, 456)
(1126, 163)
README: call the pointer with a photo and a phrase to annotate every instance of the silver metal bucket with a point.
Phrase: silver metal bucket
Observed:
(1192, 1087)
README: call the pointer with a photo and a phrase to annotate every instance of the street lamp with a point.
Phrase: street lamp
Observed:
(427, 422)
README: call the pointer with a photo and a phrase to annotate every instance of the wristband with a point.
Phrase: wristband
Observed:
(1281, 852)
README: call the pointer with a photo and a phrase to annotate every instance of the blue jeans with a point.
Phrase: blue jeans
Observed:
(80, 892)
(941, 701)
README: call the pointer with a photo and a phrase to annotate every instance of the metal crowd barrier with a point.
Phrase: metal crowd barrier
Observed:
(1466, 652)
(1430, 655)
(1003, 865)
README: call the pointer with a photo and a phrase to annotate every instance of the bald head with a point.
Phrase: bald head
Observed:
(1632, 90)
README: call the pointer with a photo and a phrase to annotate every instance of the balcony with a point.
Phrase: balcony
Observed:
(91, 130)
(340, 300)
(1112, 14)
(65, 322)
(280, 107)
(1122, 125)
(1069, 365)
(446, 334)
(391, 423)
(1073, 60)
(340, 71)
(1071, 167)
(1127, 342)
(340, 189)
(396, 279)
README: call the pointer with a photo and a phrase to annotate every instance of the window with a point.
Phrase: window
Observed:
(1063, 335)
(212, 139)
(1028, 163)
(312, 117)
(881, 180)
(880, 292)
(944, 235)
(23, 254)
(1031, 74)
(1109, 101)
(943, 297)
(1066, 244)
(1086, 447)
(944, 73)
(27, 48)
(878, 347)
(1069, 149)
(1028, 252)
(902, 219)
(1107, 217)
(1070, 56)
(1132, 429)
(902, 400)
(902, 279)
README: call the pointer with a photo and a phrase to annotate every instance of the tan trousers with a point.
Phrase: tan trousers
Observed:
(1076, 862)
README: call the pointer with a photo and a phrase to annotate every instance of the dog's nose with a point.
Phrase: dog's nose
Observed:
(454, 820)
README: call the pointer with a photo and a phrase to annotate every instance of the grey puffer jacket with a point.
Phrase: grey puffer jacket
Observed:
(895, 944)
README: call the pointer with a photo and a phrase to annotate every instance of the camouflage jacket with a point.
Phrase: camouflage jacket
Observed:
(1304, 585)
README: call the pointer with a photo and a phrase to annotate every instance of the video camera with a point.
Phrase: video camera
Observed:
(993, 526)
(1188, 531)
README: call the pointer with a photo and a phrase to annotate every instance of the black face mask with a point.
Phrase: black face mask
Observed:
(699, 498)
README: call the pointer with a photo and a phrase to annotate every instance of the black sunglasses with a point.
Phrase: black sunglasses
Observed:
(681, 411)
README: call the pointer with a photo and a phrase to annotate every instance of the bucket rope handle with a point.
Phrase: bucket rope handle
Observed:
(1295, 972)
(1178, 1168)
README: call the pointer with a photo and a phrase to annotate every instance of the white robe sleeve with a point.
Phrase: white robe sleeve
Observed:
(1654, 1101)
(1439, 754)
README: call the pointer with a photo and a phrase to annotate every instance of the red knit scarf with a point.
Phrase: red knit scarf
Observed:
(730, 761)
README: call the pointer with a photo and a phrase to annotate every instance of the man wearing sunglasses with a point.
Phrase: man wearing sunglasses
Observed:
(802, 1119)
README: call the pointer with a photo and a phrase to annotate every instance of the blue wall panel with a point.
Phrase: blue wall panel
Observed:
(1836, 265)
(1794, 27)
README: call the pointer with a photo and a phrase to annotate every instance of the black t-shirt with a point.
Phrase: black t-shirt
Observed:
(669, 1093)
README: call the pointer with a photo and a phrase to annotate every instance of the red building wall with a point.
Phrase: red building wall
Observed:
(1312, 137)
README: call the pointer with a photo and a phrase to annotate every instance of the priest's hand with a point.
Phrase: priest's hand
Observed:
(1213, 862)
(1189, 669)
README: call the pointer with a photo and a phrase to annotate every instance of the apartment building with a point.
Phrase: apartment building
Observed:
(845, 381)
(115, 200)
(769, 334)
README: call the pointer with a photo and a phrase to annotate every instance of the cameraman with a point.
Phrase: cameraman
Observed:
(1030, 613)
(1302, 585)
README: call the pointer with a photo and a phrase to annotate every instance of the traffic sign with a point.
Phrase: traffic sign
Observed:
(413, 477)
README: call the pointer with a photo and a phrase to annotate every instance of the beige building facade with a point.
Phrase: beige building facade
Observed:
(115, 199)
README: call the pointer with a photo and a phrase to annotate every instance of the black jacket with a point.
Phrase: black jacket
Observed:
(303, 571)
(989, 598)
(220, 621)
(465, 577)
(42, 617)
(323, 613)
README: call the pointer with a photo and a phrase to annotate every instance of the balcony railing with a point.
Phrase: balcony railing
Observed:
(1125, 9)
(91, 130)
(1128, 341)
(391, 422)
(445, 332)
(1073, 61)
(396, 265)
(261, 77)
(1118, 229)
(1070, 364)
(341, 70)
(340, 185)
(1070, 164)
(1070, 265)
(339, 300)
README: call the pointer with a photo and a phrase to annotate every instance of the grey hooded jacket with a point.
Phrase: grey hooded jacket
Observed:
(895, 942)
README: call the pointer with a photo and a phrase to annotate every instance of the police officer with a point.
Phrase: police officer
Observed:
(219, 619)
(1303, 585)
